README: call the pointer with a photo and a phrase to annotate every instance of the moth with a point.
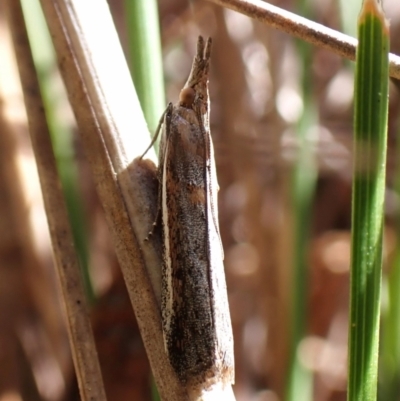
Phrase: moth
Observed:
(194, 307)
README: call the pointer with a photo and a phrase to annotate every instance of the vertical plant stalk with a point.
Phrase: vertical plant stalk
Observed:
(370, 137)
(389, 383)
(60, 132)
(81, 336)
(303, 189)
(145, 58)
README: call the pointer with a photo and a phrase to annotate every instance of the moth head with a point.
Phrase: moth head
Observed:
(198, 77)
(187, 97)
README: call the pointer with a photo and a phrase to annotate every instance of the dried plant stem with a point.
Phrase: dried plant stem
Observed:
(81, 336)
(302, 28)
(113, 133)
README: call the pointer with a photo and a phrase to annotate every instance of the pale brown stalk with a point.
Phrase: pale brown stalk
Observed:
(302, 28)
(113, 133)
(81, 337)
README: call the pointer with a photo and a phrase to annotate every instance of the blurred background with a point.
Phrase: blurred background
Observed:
(281, 121)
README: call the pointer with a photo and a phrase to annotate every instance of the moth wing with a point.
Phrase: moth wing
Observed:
(187, 316)
(224, 357)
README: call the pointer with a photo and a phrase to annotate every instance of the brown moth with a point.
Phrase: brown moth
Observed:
(195, 314)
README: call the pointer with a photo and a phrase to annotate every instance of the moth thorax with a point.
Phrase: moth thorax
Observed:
(186, 97)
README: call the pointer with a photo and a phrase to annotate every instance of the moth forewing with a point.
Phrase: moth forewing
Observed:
(219, 298)
(195, 314)
(213, 189)
(167, 268)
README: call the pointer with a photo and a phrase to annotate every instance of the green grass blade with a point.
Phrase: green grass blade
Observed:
(145, 58)
(300, 379)
(389, 366)
(370, 136)
(146, 67)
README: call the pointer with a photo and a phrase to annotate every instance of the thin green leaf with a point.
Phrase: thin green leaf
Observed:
(370, 136)
(389, 373)
(145, 58)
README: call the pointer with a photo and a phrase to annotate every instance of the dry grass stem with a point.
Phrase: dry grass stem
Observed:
(81, 336)
(113, 133)
(302, 28)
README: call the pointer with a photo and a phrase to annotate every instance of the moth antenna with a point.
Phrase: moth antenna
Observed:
(158, 130)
